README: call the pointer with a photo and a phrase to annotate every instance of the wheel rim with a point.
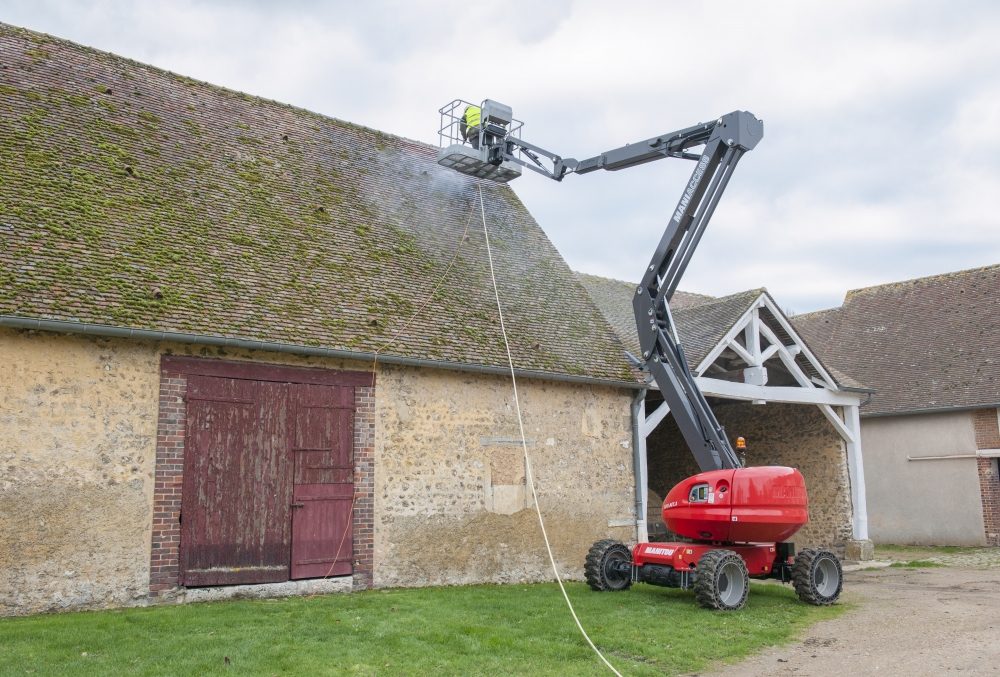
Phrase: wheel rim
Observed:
(731, 584)
(615, 580)
(826, 577)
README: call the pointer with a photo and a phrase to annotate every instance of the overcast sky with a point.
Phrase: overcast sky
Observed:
(882, 119)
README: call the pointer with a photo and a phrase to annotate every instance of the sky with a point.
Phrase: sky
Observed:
(881, 152)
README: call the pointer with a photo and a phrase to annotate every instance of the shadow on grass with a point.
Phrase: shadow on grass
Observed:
(471, 630)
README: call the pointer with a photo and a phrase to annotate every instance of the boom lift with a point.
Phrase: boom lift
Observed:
(738, 519)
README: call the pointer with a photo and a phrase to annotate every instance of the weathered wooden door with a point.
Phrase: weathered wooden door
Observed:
(235, 525)
(322, 445)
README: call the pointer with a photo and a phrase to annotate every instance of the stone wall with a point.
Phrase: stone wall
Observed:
(78, 425)
(447, 448)
(77, 444)
(794, 435)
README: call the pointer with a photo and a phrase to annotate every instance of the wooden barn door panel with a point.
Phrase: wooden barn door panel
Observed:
(323, 449)
(235, 522)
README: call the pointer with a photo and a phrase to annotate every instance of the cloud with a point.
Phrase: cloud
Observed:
(882, 120)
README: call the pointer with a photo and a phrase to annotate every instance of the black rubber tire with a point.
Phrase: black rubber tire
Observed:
(595, 568)
(812, 576)
(716, 586)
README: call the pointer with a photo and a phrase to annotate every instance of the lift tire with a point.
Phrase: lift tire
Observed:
(595, 570)
(817, 576)
(722, 581)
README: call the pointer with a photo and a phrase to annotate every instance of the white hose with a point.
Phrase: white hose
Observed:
(524, 444)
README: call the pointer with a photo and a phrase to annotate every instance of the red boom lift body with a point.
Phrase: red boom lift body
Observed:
(750, 509)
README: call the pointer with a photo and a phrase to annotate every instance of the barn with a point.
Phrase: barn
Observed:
(246, 349)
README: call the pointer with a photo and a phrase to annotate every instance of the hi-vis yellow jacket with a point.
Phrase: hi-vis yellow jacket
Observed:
(471, 117)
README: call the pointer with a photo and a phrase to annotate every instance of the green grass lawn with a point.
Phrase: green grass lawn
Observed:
(906, 552)
(474, 630)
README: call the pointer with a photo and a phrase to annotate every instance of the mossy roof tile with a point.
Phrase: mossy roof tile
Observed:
(132, 196)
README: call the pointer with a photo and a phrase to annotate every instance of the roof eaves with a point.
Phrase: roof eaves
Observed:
(935, 410)
(113, 331)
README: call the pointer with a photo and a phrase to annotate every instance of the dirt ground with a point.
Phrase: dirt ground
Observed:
(904, 621)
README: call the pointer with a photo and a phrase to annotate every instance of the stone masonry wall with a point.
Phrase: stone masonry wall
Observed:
(784, 434)
(987, 427)
(435, 522)
(78, 443)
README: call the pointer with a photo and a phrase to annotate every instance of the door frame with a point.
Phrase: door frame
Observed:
(171, 436)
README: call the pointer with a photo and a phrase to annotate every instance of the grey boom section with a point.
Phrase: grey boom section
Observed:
(498, 152)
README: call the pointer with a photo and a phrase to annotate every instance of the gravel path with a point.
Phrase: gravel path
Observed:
(906, 622)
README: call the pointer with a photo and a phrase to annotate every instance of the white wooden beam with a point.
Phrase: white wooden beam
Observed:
(768, 354)
(856, 470)
(730, 337)
(835, 421)
(654, 419)
(742, 352)
(752, 337)
(786, 358)
(789, 394)
(799, 344)
(821, 383)
(642, 481)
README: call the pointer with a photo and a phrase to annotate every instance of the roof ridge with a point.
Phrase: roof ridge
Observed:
(706, 297)
(188, 80)
(716, 299)
(603, 277)
(816, 313)
(917, 280)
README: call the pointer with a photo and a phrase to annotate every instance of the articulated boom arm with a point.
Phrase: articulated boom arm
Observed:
(724, 141)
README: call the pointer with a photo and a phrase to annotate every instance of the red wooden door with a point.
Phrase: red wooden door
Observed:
(323, 448)
(237, 483)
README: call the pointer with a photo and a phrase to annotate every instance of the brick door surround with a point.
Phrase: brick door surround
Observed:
(170, 439)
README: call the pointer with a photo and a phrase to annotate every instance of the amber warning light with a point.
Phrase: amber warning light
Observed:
(741, 443)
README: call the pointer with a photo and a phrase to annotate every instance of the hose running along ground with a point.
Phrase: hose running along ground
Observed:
(524, 445)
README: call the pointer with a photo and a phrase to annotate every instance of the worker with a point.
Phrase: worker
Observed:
(469, 126)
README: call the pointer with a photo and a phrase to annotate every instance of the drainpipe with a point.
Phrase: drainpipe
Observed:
(639, 464)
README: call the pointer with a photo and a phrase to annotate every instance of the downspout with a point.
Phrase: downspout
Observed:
(638, 463)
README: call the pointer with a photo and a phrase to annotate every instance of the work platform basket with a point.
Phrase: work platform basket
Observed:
(472, 155)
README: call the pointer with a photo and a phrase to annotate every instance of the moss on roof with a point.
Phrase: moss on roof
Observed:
(132, 196)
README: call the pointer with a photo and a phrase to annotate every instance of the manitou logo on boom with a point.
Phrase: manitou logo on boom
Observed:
(692, 187)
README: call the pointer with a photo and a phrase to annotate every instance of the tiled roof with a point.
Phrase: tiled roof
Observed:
(614, 299)
(930, 343)
(132, 196)
(702, 321)
(702, 326)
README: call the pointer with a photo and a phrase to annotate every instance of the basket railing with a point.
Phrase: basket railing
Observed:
(450, 130)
